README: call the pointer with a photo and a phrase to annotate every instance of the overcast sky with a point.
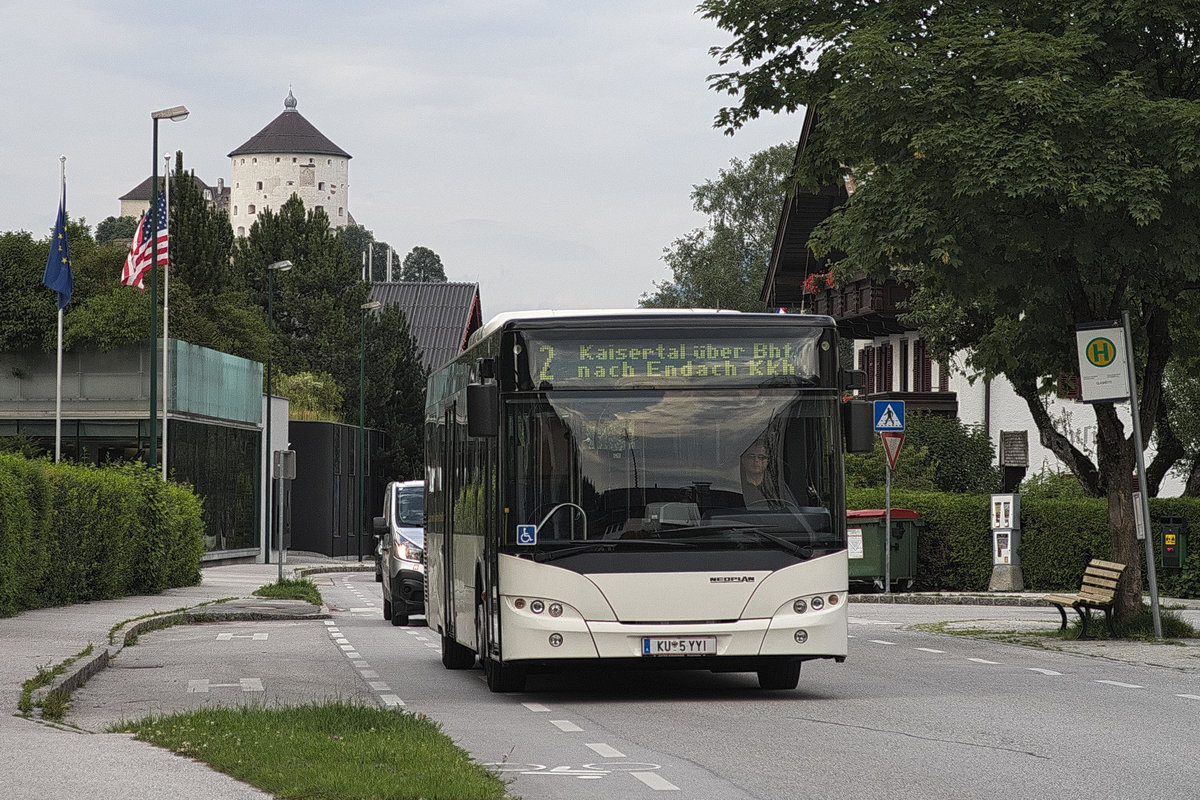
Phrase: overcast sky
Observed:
(545, 150)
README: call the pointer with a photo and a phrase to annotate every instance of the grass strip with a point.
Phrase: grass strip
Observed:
(45, 676)
(325, 751)
(291, 589)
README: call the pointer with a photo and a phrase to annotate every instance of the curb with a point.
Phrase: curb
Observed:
(83, 670)
(948, 600)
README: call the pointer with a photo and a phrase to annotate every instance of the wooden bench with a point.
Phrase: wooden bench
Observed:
(1098, 592)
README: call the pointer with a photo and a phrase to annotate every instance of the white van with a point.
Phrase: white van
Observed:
(401, 535)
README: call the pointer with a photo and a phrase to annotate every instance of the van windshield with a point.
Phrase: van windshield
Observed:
(410, 507)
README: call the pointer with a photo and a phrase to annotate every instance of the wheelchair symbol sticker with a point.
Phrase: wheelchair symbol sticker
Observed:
(527, 534)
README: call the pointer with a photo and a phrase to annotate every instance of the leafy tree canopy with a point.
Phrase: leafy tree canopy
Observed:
(116, 228)
(424, 265)
(723, 265)
(1025, 167)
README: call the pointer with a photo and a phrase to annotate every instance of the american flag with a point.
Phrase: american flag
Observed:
(137, 263)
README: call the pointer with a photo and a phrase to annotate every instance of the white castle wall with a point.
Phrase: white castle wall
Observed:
(268, 180)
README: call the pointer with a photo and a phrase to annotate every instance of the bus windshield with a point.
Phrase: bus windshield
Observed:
(630, 470)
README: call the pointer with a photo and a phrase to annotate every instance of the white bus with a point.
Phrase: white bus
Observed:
(649, 489)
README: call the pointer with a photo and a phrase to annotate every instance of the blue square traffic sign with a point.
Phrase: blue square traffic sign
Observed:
(527, 534)
(889, 415)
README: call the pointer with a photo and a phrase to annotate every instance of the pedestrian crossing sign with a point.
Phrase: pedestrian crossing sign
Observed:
(889, 415)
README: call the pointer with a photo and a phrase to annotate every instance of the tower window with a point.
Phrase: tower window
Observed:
(258, 185)
(250, 209)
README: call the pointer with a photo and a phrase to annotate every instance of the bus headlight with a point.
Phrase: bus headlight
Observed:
(801, 636)
(556, 609)
(537, 606)
(556, 640)
(817, 603)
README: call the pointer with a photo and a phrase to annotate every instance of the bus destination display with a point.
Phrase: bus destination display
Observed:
(579, 363)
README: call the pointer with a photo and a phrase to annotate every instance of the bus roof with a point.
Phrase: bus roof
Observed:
(502, 319)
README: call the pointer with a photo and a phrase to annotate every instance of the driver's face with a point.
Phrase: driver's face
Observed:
(754, 460)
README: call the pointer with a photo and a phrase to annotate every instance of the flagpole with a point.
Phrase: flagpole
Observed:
(166, 283)
(62, 162)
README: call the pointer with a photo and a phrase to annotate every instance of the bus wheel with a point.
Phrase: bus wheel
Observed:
(777, 675)
(503, 677)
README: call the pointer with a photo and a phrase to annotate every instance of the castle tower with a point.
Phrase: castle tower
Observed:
(289, 156)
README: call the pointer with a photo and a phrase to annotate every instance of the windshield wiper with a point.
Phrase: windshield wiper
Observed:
(610, 545)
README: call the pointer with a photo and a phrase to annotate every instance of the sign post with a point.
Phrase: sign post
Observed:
(1106, 376)
(889, 421)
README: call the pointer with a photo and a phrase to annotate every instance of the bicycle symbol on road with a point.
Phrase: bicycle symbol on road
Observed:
(584, 771)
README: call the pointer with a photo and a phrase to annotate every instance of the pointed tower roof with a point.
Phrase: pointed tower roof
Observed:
(290, 133)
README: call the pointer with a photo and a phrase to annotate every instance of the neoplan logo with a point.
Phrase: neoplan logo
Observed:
(732, 579)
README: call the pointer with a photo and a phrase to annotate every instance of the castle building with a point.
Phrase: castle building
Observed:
(289, 156)
(135, 202)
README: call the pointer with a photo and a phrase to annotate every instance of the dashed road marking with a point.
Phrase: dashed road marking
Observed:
(931, 650)
(1043, 671)
(346, 646)
(245, 684)
(982, 661)
(329, 622)
(379, 686)
(1189, 696)
(369, 673)
(880, 641)
(606, 751)
(536, 708)
(565, 725)
(655, 781)
(1122, 685)
(341, 640)
(225, 637)
(390, 700)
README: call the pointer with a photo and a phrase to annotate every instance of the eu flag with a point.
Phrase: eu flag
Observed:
(58, 266)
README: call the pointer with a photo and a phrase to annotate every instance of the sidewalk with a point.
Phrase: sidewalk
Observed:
(1013, 615)
(56, 761)
(47, 761)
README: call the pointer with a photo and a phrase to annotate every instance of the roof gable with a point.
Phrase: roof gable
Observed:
(441, 316)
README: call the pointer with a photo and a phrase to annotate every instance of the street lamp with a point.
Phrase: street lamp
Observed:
(175, 114)
(269, 473)
(373, 305)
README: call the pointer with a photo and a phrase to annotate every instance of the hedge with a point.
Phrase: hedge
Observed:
(71, 533)
(1058, 538)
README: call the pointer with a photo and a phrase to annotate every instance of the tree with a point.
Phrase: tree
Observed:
(27, 308)
(940, 454)
(723, 264)
(116, 228)
(396, 392)
(316, 303)
(1024, 167)
(422, 264)
(358, 241)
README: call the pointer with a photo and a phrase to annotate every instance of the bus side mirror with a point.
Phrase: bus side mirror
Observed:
(858, 423)
(483, 409)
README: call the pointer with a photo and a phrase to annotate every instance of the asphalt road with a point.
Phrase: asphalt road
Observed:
(910, 714)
